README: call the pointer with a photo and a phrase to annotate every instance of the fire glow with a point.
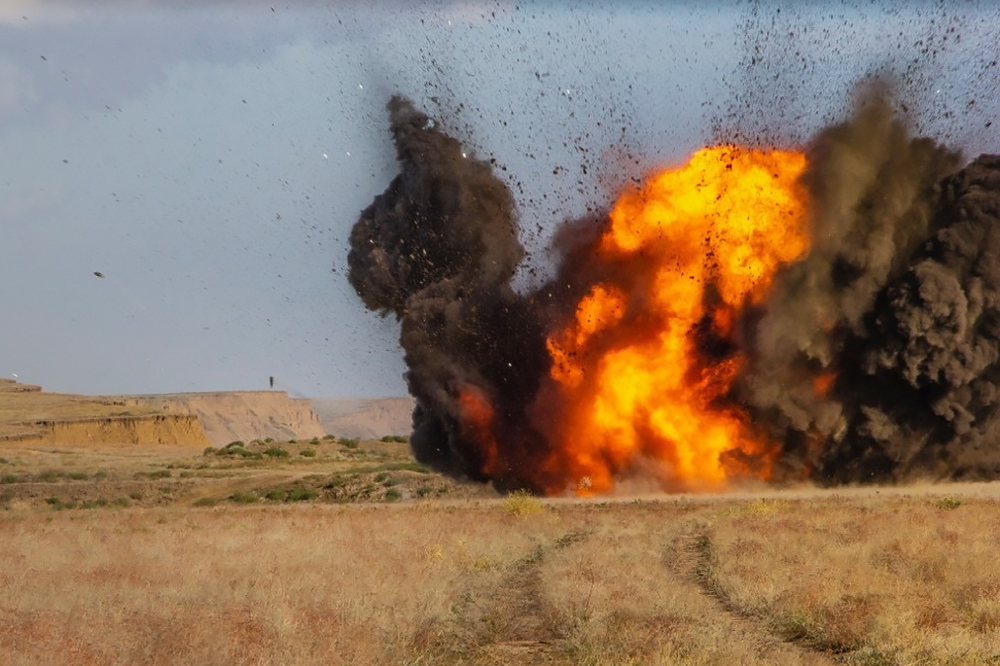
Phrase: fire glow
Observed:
(750, 314)
(632, 371)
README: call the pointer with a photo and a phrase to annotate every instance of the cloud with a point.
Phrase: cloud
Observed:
(16, 88)
(26, 13)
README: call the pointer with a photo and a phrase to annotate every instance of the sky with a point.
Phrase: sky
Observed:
(209, 158)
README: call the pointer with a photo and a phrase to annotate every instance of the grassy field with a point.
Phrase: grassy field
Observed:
(304, 559)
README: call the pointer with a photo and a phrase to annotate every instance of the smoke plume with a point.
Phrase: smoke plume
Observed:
(874, 356)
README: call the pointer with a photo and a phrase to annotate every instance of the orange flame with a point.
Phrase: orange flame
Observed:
(641, 373)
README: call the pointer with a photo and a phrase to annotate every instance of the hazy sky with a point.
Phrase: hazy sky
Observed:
(209, 158)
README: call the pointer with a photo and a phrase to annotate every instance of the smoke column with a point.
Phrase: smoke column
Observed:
(438, 250)
(874, 357)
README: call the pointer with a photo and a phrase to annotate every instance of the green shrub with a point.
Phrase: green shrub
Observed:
(160, 474)
(205, 501)
(9, 478)
(276, 452)
(276, 494)
(350, 442)
(401, 439)
(268, 440)
(243, 497)
(424, 491)
(102, 474)
(949, 503)
(48, 475)
(209, 450)
(77, 476)
(308, 453)
(186, 474)
(234, 444)
(121, 502)
(314, 440)
(330, 438)
(381, 476)
(393, 495)
(301, 494)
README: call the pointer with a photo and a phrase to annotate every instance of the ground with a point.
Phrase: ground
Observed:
(258, 554)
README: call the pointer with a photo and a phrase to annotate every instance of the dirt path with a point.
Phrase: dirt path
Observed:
(686, 559)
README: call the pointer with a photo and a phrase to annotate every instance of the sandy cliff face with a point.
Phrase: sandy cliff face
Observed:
(243, 415)
(112, 431)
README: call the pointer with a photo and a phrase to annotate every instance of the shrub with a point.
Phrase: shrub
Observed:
(160, 474)
(209, 450)
(401, 439)
(77, 476)
(350, 442)
(268, 440)
(308, 453)
(205, 501)
(48, 475)
(300, 494)
(521, 503)
(949, 503)
(314, 440)
(424, 491)
(393, 495)
(381, 476)
(9, 478)
(276, 494)
(243, 497)
(276, 452)
(330, 438)
(234, 444)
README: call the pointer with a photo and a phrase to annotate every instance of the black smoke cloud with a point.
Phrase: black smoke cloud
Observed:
(898, 301)
(438, 250)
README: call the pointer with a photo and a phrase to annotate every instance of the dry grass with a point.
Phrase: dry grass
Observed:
(864, 581)
(902, 581)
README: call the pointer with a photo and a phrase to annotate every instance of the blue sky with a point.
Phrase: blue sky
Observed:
(210, 158)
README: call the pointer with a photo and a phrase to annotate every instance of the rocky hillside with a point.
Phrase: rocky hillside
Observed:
(240, 415)
(366, 418)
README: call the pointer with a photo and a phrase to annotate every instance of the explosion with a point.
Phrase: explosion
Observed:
(831, 313)
(647, 362)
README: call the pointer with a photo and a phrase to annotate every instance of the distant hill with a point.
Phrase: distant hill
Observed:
(366, 418)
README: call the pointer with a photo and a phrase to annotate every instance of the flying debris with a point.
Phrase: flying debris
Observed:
(99, 274)
(826, 312)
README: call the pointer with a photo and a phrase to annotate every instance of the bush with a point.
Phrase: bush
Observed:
(330, 438)
(243, 497)
(268, 440)
(205, 501)
(350, 442)
(401, 439)
(276, 452)
(381, 476)
(424, 491)
(308, 453)
(48, 475)
(300, 494)
(393, 495)
(314, 440)
(9, 478)
(160, 474)
(77, 476)
(234, 444)
(949, 503)
(209, 450)
(276, 494)
(521, 503)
